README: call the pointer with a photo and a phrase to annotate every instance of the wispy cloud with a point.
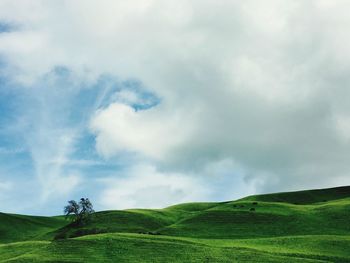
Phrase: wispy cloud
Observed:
(144, 186)
(257, 88)
(50, 130)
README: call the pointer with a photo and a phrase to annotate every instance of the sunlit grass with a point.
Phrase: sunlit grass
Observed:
(275, 231)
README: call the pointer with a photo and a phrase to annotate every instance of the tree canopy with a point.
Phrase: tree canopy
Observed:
(80, 211)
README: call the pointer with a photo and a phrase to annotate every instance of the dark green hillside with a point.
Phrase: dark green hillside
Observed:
(305, 226)
(127, 221)
(135, 220)
(19, 227)
(235, 220)
(304, 197)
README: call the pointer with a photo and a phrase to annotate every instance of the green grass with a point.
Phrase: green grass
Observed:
(306, 226)
(304, 197)
(144, 248)
(20, 227)
(230, 220)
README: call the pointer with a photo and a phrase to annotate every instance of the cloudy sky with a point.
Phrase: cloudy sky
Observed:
(147, 103)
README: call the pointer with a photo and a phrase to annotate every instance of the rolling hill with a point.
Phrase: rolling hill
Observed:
(303, 226)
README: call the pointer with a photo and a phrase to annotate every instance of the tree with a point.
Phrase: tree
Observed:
(81, 211)
(72, 208)
(86, 209)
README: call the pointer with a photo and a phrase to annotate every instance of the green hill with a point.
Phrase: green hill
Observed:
(304, 226)
(304, 197)
(20, 227)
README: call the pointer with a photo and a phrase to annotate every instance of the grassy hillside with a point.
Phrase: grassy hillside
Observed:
(145, 248)
(269, 219)
(304, 197)
(305, 226)
(19, 227)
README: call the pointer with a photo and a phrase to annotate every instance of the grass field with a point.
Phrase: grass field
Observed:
(305, 226)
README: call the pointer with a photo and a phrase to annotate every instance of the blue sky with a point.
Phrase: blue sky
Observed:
(151, 103)
(46, 142)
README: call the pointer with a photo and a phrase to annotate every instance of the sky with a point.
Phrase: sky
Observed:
(147, 103)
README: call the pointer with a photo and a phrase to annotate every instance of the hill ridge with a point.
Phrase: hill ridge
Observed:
(304, 196)
(299, 226)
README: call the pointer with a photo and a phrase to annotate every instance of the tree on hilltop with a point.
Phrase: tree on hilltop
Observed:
(81, 211)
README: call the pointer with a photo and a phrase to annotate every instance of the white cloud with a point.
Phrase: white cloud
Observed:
(121, 128)
(48, 144)
(260, 84)
(343, 127)
(130, 97)
(143, 186)
(46, 129)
